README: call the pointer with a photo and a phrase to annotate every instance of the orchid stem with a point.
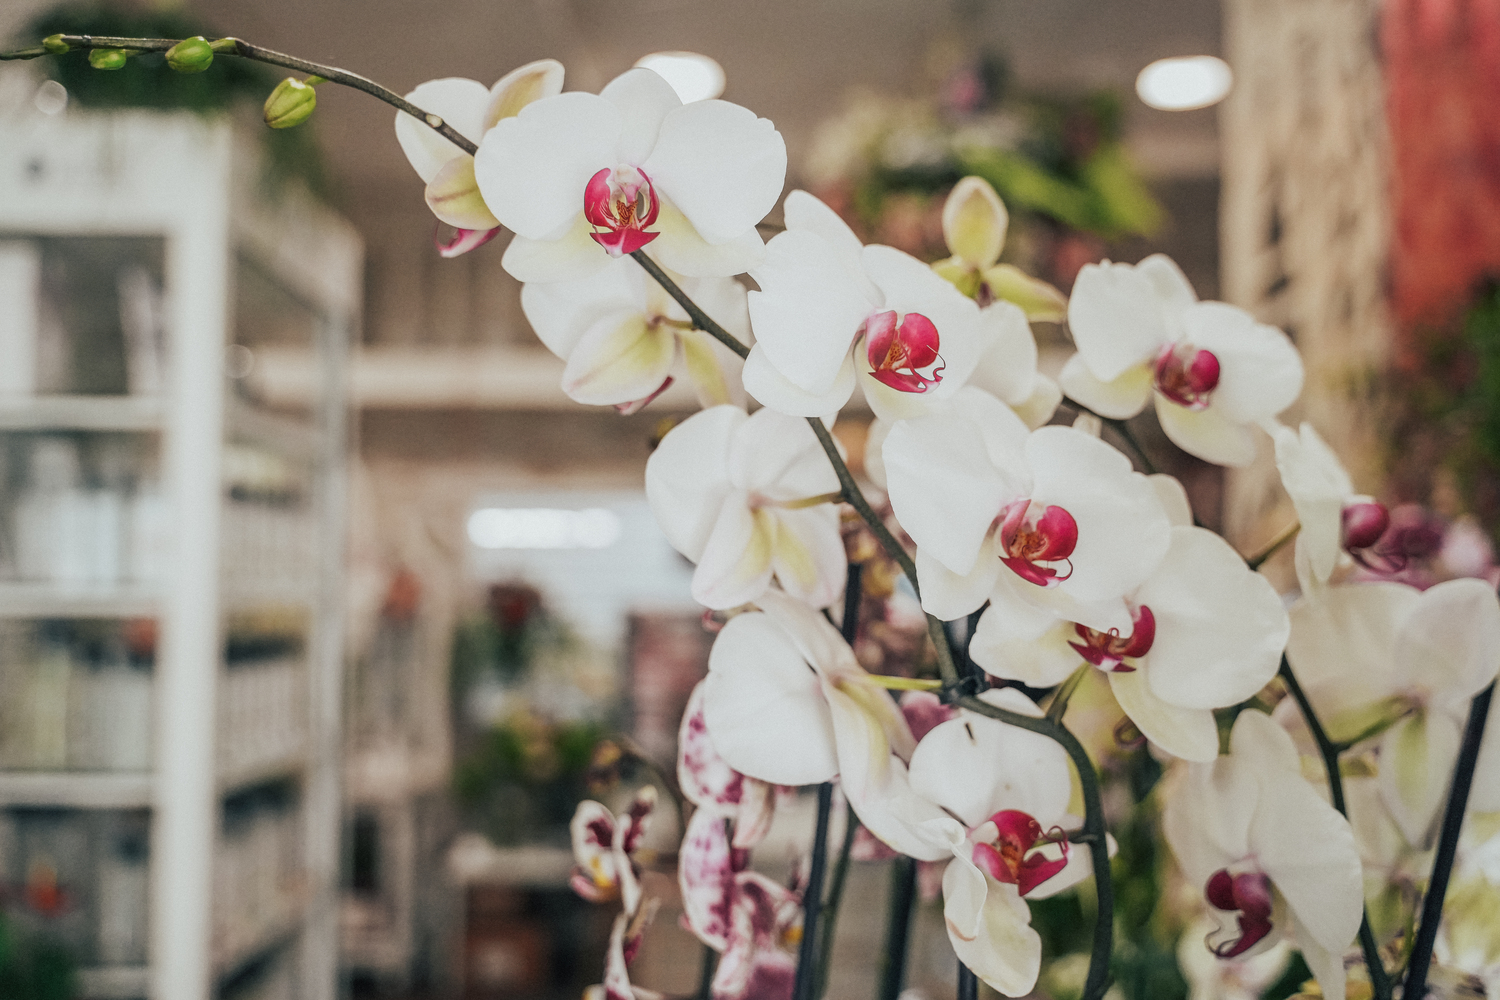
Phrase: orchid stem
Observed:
(700, 319)
(968, 983)
(812, 898)
(256, 53)
(1442, 865)
(1273, 546)
(1380, 980)
(898, 927)
(706, 977)
(835, 897)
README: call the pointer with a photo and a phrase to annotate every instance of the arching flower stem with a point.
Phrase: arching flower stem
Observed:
(1380, 980)
(1120, 427)
(1273, 546)
(835, 897)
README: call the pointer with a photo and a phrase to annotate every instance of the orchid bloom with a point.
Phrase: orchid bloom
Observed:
(581, 178)
(603, 844)
(1206, 632)
(974, 225)
(1008, 789)
(1052, 519)
(1272, 858)
(1372, 655)
(625, 340)
(1211, 978)
(472, 110)
(1335, 521)
(1214, 371)
(747, 499)
(830, 313)
(786, 702)
(624, 942)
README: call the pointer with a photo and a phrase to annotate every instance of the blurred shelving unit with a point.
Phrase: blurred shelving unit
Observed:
(170, 559)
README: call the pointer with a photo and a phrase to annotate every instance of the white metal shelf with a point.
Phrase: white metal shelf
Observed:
(81, 413)
(54, 600)
(114, 982)
(76, 789)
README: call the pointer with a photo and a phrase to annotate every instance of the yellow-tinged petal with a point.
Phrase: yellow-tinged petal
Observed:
(704, 369)
(959, 274)
(974, 222)
(1040, 301)
(453, 195)
(520, 87)
(620, 359)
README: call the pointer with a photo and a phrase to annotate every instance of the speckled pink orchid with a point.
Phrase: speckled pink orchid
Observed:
(1272, 858)
(603, 844)
(472, 110)
(1214, 372)
(831, 313)
(583, 178)
(1052, 520)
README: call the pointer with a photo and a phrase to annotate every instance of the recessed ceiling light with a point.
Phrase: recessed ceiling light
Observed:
(543, 528)
(695, 77)
(1184, 82)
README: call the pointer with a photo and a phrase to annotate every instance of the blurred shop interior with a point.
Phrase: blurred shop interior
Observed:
(321, 606)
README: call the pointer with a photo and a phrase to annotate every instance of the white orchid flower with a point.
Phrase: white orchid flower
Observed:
(582, 177)
(1272, 857)
(1008, 789)
(1207, 632)
(1214, 372)
(1052, 519)
(625, 340)
(831, 313)
(1367, 653)
(472, 110)
(974, 225)
(1334, 520)
(746, 498)
(787, 702)
(1211, 978)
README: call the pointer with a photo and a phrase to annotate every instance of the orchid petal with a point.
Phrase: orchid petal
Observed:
(723, 166)
(1037, 409)
(1015, 596)
(964, 890)
(1318, 485)
(1220, 627)
(778, 456)
(1210, 434)
(1173, 498)
(1348, 632)
(462, 241)
(948, 595)
(1167, 281)
(560, 311)
(1189, 733)
(808, 310)
(1118, 399)
(808, 555)
(706, 364)
(1326, 964)
(705, 873)
(573, 256)
(1040, 301)
(454, 196)
(1007, 367)
(620, 358)
(975, 766)
(645, 100)
(1116, 319)
(769, 387)
(764, 705)
(520, 87)
(965, 332)
(805, 213)
(974, 222)
(1449, 642)
(735, 567)
(943, 489)
(757, 809)
(592, 830)
(680, 247)
(1260, 370)
(1416, 762)
(534, 167)
(460, 103)
(1005, 952)
(705, 778)
(1079, 868)
(687, 477)
(1025, 643)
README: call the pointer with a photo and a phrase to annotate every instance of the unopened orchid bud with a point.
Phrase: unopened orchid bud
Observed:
(108, 58)
(292, 102)
(960, 275)
(191, 55)
(974, 222)
(56, 44)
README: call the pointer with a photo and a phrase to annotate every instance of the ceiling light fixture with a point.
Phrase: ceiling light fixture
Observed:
(695, 77)
(1184, 82)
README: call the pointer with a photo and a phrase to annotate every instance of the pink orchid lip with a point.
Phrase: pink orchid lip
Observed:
(897, 351)
(622, 202)
(1364, 523)
(1032, 533)
(1186, 375)
(463, 241)
(1247, 894)
(1109, 650)
(1008, 858)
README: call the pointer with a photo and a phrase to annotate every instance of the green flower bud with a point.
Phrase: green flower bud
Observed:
(108, 58)
(55, 45)
(191, 55)
(291, 103)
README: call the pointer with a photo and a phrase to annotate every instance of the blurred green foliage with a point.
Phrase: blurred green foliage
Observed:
(33, 968)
